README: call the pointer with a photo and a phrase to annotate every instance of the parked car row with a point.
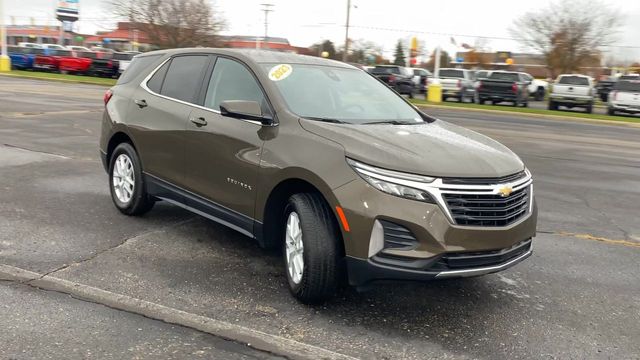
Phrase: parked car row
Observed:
(497, 86)
(72, 60)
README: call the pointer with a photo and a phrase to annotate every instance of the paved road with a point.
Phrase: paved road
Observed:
(577, 297)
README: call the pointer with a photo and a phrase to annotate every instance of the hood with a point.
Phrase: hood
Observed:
(436, 149)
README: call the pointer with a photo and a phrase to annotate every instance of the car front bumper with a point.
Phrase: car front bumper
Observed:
(631, 109)
(440, 248)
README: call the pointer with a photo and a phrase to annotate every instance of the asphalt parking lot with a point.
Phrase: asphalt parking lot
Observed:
(577, 297)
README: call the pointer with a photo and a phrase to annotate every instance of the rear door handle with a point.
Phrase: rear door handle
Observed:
(200, 121)
(141, 103)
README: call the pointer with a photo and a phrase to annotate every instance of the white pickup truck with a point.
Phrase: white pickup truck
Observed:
(457, 83)
(624, 97)
(571, 90)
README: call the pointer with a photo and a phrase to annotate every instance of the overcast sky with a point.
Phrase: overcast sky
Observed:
(305, 22)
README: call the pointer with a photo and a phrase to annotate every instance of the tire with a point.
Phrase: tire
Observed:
(319, 239)
(604, 97)
(525, 104)
(129, 195)
(589, 108)
(552, 105)
(539, 96)
(516, 103)
(610, 111)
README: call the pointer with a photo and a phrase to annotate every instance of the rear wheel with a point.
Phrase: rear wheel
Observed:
(589, 108)
(128, 190)
(610, 111)
(552, 105)
(311, 248)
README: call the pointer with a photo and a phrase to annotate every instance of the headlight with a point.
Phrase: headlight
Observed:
(393, 182)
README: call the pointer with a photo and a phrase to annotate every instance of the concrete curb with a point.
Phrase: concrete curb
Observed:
(543, 116)
(54, 79)
(255, 339)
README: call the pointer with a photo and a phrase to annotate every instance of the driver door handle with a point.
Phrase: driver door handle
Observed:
(200, 121)
(141, 103)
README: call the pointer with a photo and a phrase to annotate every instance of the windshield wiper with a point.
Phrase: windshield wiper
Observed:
(329, 120)
(392, 122)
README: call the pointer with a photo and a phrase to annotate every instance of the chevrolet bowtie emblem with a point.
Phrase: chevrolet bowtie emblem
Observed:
(505, 191)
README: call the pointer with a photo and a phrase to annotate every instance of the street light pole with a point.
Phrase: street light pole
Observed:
(346, 33)
(5, 62)
(267, 9)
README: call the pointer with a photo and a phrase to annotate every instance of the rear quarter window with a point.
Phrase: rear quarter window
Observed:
(138, 65)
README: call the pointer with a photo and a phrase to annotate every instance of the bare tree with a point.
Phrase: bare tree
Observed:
(172, 23)
(570, 33)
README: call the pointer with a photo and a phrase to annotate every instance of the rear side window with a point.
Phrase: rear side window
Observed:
(385, 70)
(137, 65)
(155, 83)
(574, 80)
(233, 81)
(184, 77)
(449, 73)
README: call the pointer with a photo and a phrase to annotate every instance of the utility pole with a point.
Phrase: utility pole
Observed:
(267, 9)
(5, 62)
(346, 33)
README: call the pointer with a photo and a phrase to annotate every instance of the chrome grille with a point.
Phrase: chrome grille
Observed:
(488, 209)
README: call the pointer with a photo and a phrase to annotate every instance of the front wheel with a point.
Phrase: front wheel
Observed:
(311, 248)
(126, 183)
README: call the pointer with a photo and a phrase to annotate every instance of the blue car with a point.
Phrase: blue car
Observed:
(22, 58)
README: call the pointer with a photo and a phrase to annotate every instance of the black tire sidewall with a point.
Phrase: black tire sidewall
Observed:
(291, 207)
(139, 193)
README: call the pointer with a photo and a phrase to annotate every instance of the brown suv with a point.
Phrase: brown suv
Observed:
(318, 158)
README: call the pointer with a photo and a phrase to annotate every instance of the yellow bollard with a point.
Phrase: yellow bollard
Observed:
(435, 93)
(5, 63)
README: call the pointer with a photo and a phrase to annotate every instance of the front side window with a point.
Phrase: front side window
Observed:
(232, 81)
(184, 77)
(335, 93)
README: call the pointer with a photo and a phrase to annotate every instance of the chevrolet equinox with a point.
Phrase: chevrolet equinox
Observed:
(320, 159)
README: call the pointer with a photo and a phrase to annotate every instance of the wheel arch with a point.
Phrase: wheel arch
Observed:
(117, 138)
(271, 208)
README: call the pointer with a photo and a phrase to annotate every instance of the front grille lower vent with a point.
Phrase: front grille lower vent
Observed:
(397, 237)
(488, 209)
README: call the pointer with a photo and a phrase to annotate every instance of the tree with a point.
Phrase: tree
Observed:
(398, 55)
(172, 23)
(569, 33)
(326, 45)
(362, 52)
(445, 60)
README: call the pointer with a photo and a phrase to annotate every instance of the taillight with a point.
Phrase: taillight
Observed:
(614, 95)
(392, 78)
(459, 83)
(110, 64)
(479, 85)
(107, 96)
(514, 87)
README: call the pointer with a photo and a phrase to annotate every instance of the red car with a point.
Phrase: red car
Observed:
(49, 60)
(76, 62)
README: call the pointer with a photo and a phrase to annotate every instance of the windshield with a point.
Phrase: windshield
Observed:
(626, 85)
(346, 95)
(504, 76)
(574, 80)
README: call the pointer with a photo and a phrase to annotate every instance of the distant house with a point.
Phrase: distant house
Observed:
(126, 36)
(39, 34)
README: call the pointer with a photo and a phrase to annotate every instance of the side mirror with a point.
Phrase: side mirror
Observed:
(528, 82)
(244, 109)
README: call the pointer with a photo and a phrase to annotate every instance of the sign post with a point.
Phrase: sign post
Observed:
(5, 61)
(67, 10)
